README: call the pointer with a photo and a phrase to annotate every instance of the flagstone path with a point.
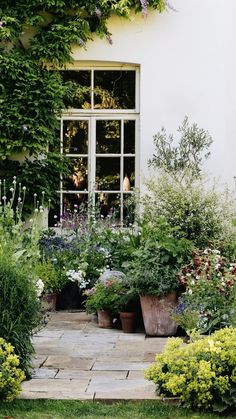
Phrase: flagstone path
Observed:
(75, 359)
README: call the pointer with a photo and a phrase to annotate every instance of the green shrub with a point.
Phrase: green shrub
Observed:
(156, 261)
(104, 296)
(180, 194)
(202, 374)
(201, 214)
(52, 280)
(19, 308)
(11, 375)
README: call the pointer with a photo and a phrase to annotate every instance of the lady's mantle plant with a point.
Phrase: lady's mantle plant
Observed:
(202, 373)
(11, 375)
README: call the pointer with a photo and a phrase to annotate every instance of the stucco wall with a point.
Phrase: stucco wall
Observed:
(187, 61)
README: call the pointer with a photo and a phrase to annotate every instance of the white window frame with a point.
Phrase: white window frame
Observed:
(92, 115)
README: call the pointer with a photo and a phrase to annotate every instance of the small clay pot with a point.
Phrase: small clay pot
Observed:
(128, 321)
(105, 319)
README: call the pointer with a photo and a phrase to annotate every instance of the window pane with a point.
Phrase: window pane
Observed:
(114, 89)
(75, 137)
(82, 96)
(109, 205)
(108, 136)
(74, 202)
(78, 180)
(108, 173)
(129, 173)
(128, 209)
(129, 137)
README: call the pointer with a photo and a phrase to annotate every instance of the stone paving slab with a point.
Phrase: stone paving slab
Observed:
(119, 366)
(56, 395)
(63, 362)
(38, 361)
(92, 375)
(43, 385)
(54, 350)
(135, 375)
(45, 373)
(77, 360)
(126, 395)
(119, 385)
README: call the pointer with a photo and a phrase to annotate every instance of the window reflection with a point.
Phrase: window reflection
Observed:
(108, 173)
(129, 137)
(75, 202)
(81, 96)
(108, 136)
(109, 205)
(78, 180)
(128, 209)
(75, 137)
(114, 89)
(129, 173)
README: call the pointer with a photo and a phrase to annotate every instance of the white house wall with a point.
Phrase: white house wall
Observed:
(187, 65)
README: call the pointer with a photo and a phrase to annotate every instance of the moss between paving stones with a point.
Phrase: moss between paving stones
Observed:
(41, 409)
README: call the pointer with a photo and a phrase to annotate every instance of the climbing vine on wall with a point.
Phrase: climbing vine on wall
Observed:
(36, 39)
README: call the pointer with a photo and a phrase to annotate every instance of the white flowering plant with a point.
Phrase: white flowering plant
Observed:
(209, 285)
(78, 276)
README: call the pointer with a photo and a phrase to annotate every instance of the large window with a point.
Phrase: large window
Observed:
(99, 135)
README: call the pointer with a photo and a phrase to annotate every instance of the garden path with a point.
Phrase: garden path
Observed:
(75, 359)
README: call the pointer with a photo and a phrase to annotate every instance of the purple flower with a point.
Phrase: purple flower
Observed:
(144, 5)
(81, 42)
(1, 24)
(109, 39)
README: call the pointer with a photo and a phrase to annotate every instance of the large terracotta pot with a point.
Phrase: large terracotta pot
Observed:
(128, 321)
(105, 319)
(156, 314)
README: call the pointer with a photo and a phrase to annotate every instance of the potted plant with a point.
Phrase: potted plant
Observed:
(51, 281)
(104, 299)
(128, 310)
(153, 274)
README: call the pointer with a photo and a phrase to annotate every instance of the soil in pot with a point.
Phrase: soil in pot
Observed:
(128, 321)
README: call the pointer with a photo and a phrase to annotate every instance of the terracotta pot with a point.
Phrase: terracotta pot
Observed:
(49, 301)
(105, 319)
(156, 317)
(128, 321)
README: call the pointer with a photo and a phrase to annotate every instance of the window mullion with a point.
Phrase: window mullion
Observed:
(92, 158)
(92, 89)
(121, 170)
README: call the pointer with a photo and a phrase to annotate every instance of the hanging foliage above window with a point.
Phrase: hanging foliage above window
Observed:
(33, 34)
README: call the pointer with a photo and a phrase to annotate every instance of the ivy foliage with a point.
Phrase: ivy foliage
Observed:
(36, 39)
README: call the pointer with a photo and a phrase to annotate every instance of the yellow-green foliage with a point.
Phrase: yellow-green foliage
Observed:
(202, 373)
(11, 375)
